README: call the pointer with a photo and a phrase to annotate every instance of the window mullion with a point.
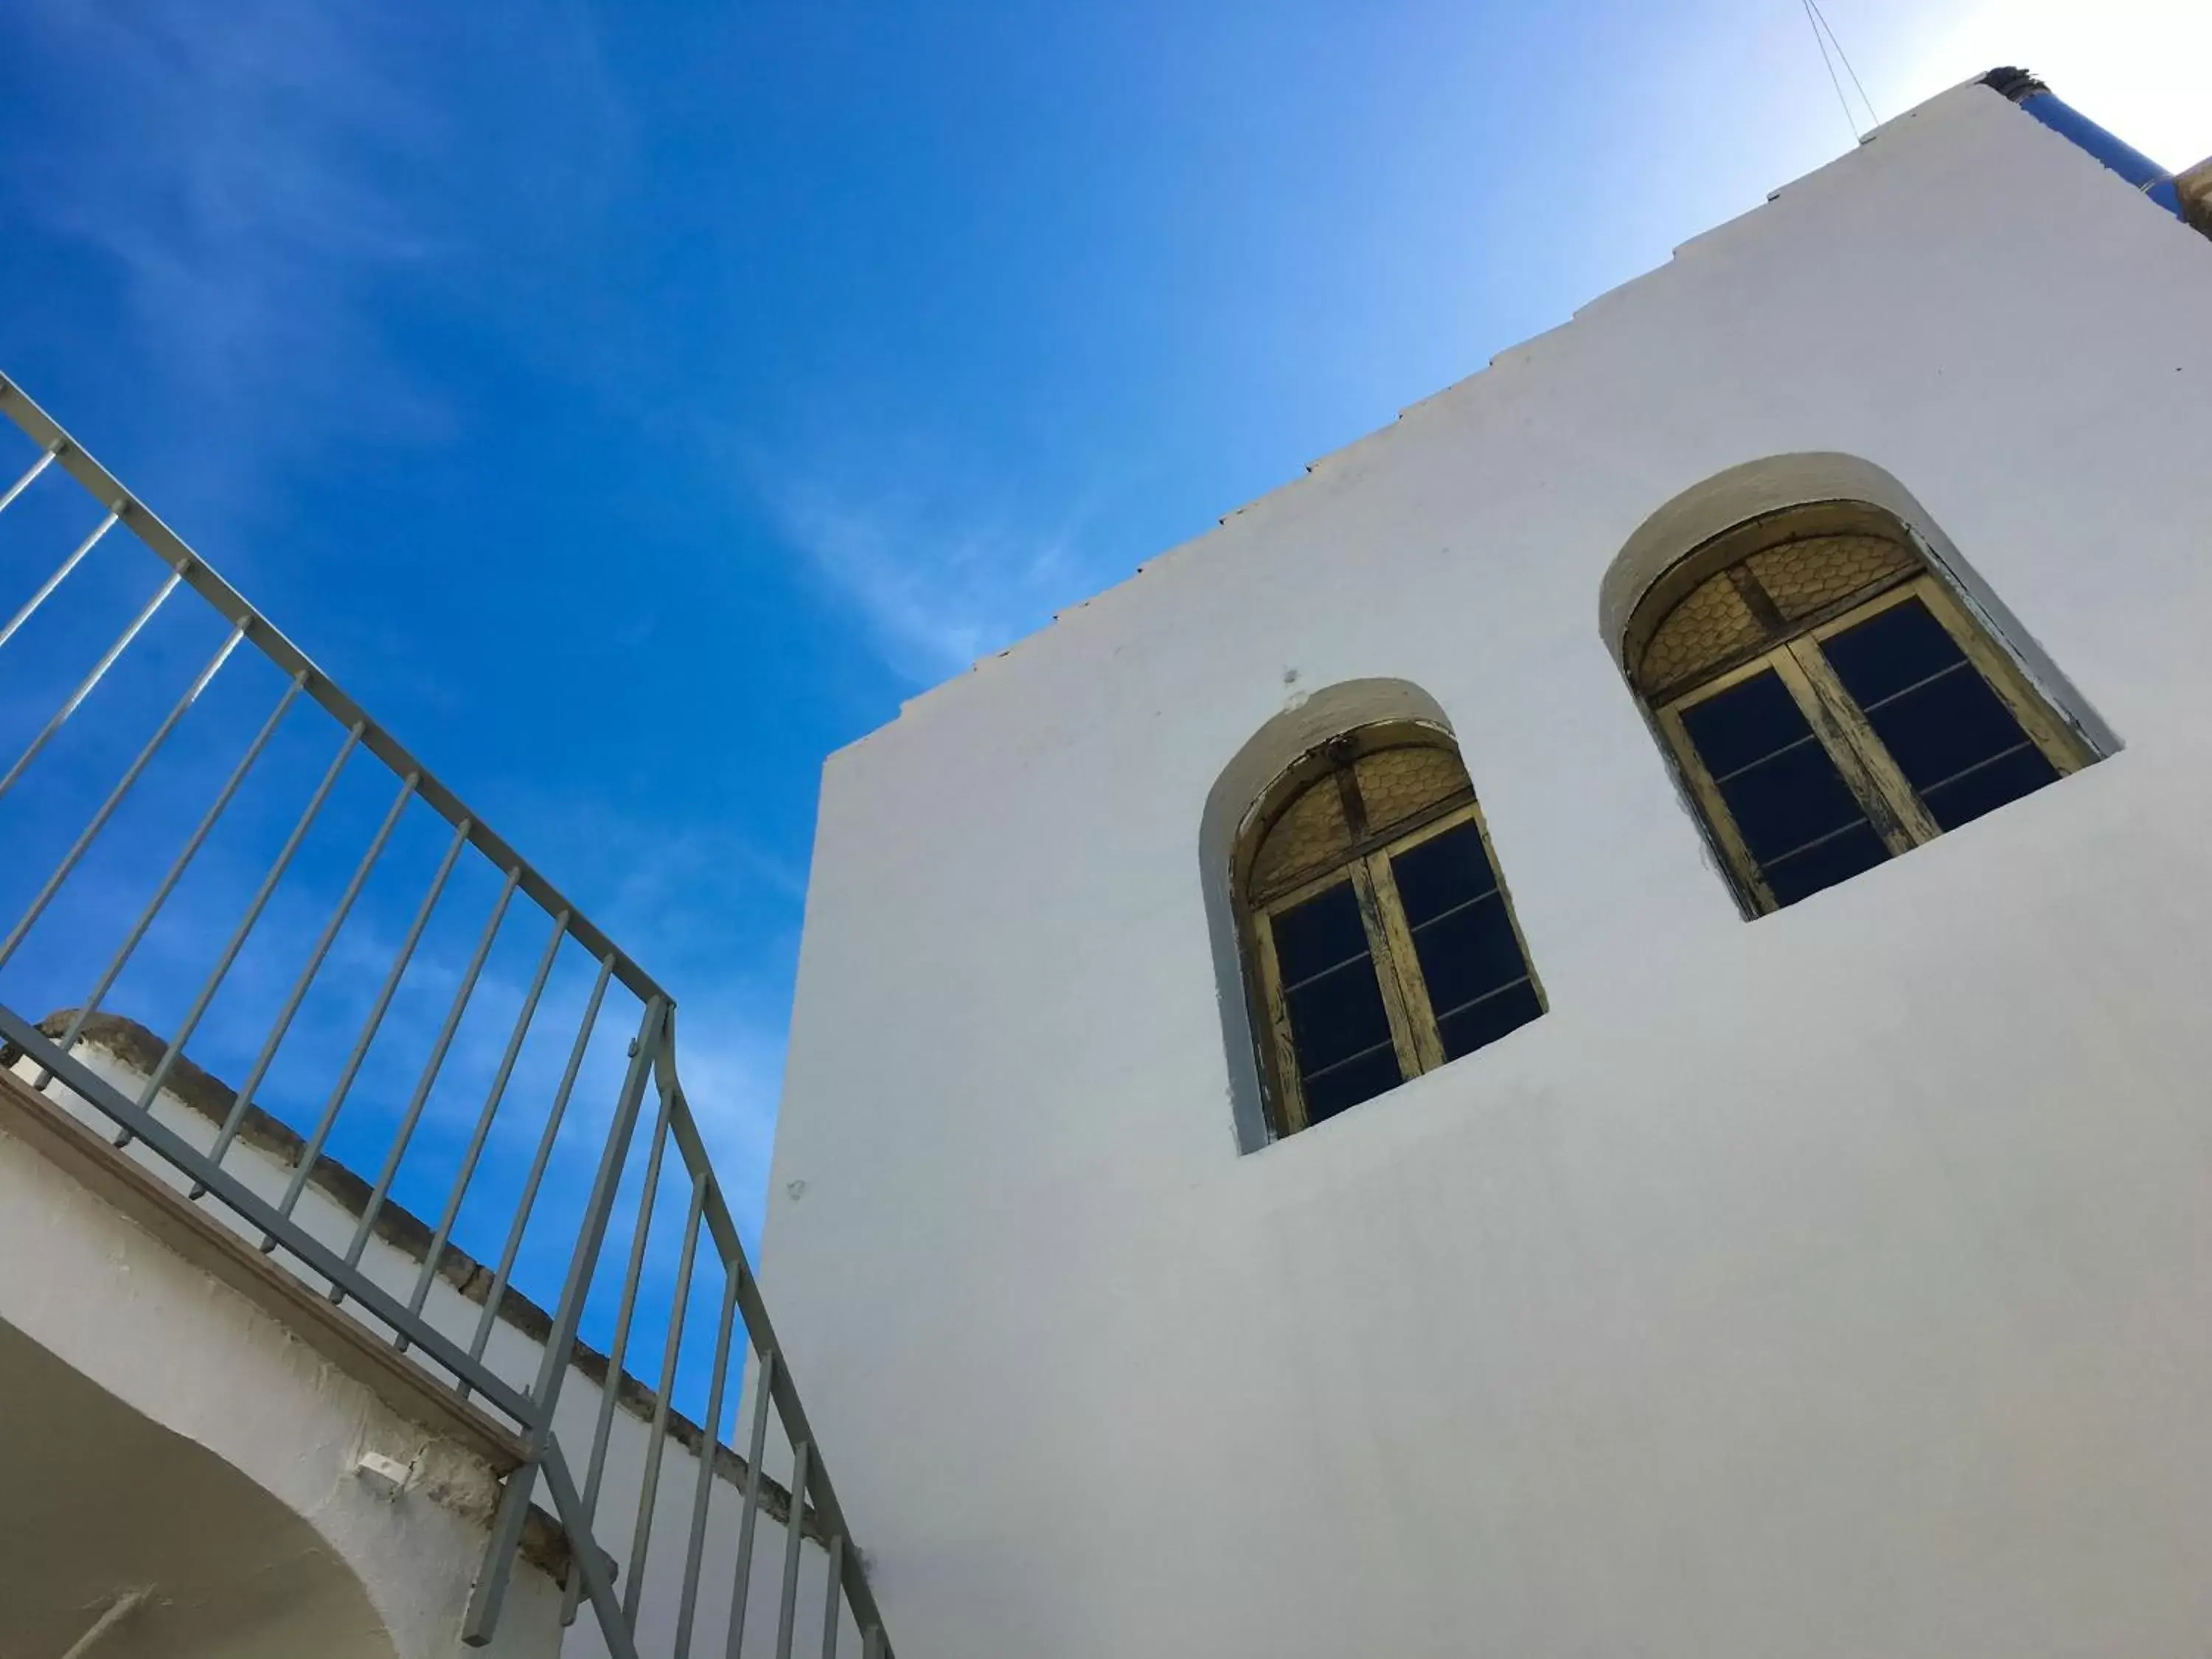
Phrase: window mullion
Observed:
(1892, 806)
(1387, 975)
(1289, 1093)
(1405, 965)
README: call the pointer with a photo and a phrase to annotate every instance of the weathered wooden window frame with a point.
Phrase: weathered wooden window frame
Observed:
(1792, 651)
(1366, 865)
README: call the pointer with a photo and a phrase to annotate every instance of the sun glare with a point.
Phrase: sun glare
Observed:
(2136, 67)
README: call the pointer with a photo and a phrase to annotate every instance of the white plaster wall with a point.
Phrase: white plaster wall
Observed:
(516, 1356)
(192, 1357)
(1836, 1284)
(108, 1515)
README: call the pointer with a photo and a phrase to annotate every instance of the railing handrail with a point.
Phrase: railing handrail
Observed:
(203, 580)
(651, 1063)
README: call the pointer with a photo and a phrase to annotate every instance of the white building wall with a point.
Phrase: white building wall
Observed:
(1833, 1284)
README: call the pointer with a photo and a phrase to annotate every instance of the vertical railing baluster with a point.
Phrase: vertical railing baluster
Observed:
(481, 1133)
(91, 831)
(424, 1083)
(24, 483)
(237, 940)
(241, 1100)
(794, 1533)
(835, 1577)
(85, 686)
(543, 1155)
(313, 1152)
(30, 606)
(755, 1449)
(618, 1348)
(591, 1561)
(648, 1493)
(811, 1500)
(559, 1353)
(174, 873)
(710, 1445)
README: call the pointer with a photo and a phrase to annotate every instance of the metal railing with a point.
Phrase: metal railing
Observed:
(259, 900)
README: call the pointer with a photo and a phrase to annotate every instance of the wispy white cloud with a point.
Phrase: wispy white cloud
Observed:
(2136, 66)
(274, 182)
(265, 178)
(937, 587)
(232, 163)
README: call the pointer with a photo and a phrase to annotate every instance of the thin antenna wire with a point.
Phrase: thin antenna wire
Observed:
(1873, 119)
(1818, 40)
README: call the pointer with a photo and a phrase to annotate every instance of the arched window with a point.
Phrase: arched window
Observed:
(1829, 702)
(1379, 939)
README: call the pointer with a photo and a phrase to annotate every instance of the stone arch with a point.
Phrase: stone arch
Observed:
(1727, 606)
(228, 1569)
(1236, 792)
(1664, 543)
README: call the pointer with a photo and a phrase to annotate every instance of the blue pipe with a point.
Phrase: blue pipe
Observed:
(2069, 123)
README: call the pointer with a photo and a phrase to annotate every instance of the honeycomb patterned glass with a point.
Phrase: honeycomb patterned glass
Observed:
(1310, 834)
(1712, 622)
(1397, 783)
(1802, 577)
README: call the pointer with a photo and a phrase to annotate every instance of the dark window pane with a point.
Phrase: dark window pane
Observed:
(1338, 1023)
(1949, 733)
(1347, 1085)
(1319, 933)
(1966, 797)
(1824, 864)
(1338, 1016)
(1944, 726)
(1486, 1021)
(1800, 821)
(1467, 953)
(1788, 801)
(1780, 786)
(1744, 723)
(1464, 938)
(1888, 652)
(1443, 874)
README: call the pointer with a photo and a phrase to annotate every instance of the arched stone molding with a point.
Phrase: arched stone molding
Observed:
(1237, 793)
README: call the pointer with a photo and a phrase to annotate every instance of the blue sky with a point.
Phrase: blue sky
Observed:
(632, 404)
